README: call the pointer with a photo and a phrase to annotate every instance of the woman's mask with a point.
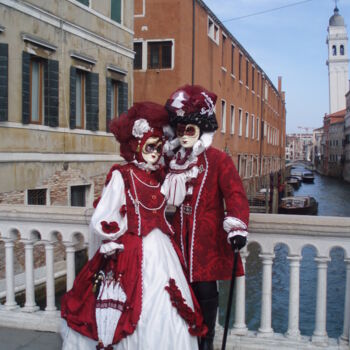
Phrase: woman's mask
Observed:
(152, 150)
(187, 134)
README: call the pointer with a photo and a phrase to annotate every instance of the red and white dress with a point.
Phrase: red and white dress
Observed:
(143, 299)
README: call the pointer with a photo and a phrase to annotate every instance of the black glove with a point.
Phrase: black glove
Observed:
(238, 242)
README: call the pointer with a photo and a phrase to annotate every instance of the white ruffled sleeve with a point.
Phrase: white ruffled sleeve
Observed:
(234, 227)
(109, 222)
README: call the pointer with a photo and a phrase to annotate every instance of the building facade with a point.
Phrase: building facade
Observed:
(299, 147)
(65, 70)
(316, 147)
(250, 109)
(338, 62)
(346, 170)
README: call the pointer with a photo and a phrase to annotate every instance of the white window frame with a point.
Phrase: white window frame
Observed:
(145, 55)
(257, 128)
(232, 119)
(246, 124)
(89, 194)
(48, 203)
(213, 31)
(240, 121)
(253, 128)
(223, 116)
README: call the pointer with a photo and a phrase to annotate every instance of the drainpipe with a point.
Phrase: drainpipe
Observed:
(193, 37)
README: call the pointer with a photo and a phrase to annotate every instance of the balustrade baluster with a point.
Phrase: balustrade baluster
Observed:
(10, 278)
(294, 296)
(70, 260)
(320, 334)
(265, 329)
(239, 326)
(346, 325)
(30, 305)
(50, 278)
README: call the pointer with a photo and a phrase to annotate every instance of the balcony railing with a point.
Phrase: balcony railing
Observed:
(43, 225)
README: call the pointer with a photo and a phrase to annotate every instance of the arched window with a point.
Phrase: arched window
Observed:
(334, 50)
(342, 50)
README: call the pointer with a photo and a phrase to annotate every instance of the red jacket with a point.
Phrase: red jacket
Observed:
(198, 222)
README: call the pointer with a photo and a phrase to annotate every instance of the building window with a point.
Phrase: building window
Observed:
(78, 195)
(80, 101)
(240, 126)
(233, 120)
(334, 50)
(159, 54)
(223, 53)
(342, 50)
(246, 124)
(3, 82)
(247, 73)
(213, 30)
(253, 78)
(240, 67)
(223, 116)
(84, 99)
(258, 84)
(85, 2)
(257, 129)
(115, 99)
(138, 56)
(36, 197)
(116, 10)
(233, 60)
(37, 98)
(253, 123)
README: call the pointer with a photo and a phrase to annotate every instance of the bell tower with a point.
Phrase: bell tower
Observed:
(338, 61)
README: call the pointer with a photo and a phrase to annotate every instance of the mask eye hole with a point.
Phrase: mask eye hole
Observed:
(190, 130)
(154, 147)
(180, 130)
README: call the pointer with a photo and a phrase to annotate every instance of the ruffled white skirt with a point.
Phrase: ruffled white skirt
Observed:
(160, 326)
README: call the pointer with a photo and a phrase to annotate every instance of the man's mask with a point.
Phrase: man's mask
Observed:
(187, 134)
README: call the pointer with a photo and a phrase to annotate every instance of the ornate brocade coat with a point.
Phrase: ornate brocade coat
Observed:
(198, 223)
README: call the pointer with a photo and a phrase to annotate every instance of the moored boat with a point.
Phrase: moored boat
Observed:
(298, 205)
(308, 177)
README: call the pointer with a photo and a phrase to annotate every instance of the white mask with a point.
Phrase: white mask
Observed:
(152, 150)
(187, 134)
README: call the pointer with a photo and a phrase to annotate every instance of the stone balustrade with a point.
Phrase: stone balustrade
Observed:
(33, 225)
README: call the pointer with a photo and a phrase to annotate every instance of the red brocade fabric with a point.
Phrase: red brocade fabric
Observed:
(78, 305)
(200, 235)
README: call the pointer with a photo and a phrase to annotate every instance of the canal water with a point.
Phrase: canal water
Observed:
(333, 197)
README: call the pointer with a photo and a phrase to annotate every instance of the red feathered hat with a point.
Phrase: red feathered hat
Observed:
(193, 104)
(133, 128)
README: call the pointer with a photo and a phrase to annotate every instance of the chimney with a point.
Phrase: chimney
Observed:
(279, 84)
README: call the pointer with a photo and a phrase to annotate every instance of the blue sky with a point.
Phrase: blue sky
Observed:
(289, 42)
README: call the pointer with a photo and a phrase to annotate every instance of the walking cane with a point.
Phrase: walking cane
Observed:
(229, 303)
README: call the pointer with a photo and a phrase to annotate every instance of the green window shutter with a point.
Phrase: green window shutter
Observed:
(72, 107)
(4, 62)
(116, 10)
(92, 101)
(122, 97)
(108, 102)
(85, 2)
(25, 87)
(52, 92)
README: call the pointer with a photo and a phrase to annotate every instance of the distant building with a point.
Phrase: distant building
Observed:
(298, 147)
(250, 109)
(332, 143)
(66, 69)
(316, 147)
(338, 62)
(346, 171)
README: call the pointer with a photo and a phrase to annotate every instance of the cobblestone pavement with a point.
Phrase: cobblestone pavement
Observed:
(22, 339)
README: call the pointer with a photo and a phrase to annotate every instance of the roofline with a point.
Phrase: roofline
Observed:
(212, 14)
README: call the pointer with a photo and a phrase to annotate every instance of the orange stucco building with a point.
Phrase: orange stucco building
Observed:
(183, 42)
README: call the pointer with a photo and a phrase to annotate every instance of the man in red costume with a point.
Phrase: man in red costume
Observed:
(213, 212)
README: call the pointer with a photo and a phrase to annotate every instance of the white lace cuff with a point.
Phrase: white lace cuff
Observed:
(231, 224)
(110, 247)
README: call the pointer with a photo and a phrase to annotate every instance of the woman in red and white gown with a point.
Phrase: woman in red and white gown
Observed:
(133, 293)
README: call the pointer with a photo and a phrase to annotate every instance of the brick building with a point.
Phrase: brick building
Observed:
(65, 71)
(332, 144)
(346, 170)
(250, 109)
